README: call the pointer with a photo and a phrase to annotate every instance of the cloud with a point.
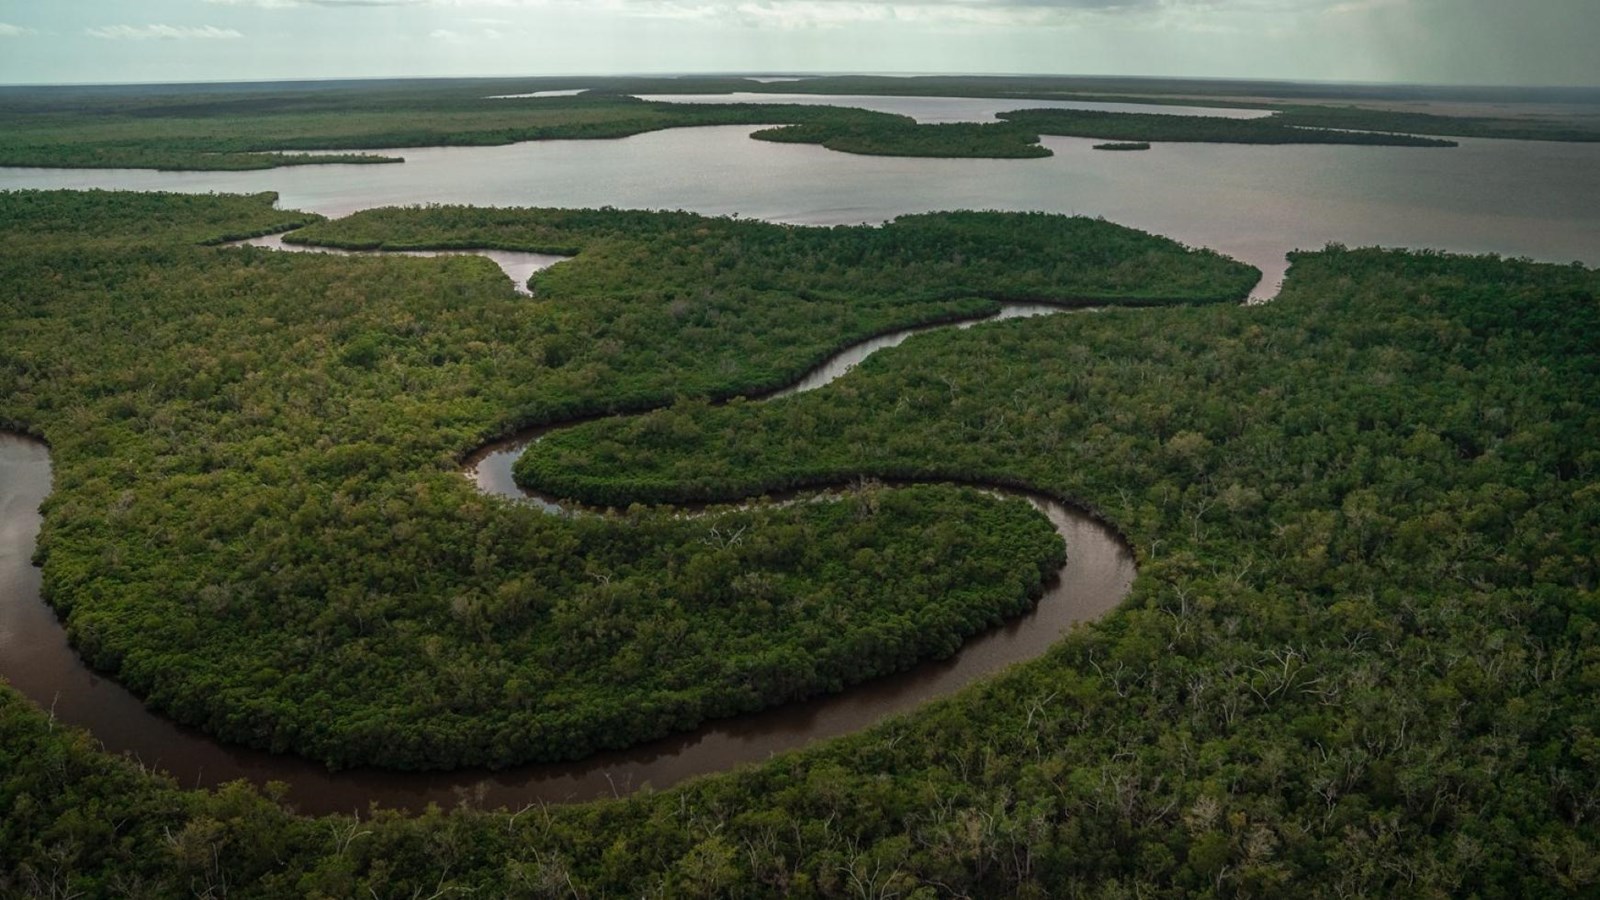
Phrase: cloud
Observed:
(290, 4)
(13, 30)
(1362, 7)
(453, 36)
(1188, 15)
(857, 9)
(791, 14)
(842, 9)
(162, 32)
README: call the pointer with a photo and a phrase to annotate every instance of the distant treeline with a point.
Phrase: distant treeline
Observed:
(1209, 129)
(256, 132)
(1526, 128)
(264, 128)
(1316, 105)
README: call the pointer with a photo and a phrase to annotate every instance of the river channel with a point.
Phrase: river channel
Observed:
(36, 658)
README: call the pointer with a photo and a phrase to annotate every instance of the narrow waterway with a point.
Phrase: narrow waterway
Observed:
(518, 266)
(36, 658)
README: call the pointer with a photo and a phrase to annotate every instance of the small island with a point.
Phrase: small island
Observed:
(1124, 145)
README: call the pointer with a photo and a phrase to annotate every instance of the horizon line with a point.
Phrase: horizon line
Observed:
(800, 74)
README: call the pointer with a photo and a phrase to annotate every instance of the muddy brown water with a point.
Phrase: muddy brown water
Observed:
(36, 658)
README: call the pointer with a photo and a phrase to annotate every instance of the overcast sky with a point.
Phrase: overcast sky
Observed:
(1551, 42)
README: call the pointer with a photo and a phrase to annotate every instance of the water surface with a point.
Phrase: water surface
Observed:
(571, 92)
(1254, 203)
(931, 110)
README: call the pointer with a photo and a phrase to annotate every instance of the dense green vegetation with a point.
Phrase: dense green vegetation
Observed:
(656, 259)
(74, 221)
(1209, 129)
(949, 139)
(257, 521)
(1359, 659)
(1124, 145)
(1354, 117)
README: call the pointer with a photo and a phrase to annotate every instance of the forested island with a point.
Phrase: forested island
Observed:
(948, 139)
(1144, 127)
(1358, 658)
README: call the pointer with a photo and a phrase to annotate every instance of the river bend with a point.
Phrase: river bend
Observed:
(37, 660)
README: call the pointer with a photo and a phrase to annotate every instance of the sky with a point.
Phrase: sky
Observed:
(1481, 42)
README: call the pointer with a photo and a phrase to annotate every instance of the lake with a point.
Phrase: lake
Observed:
(1254, 203)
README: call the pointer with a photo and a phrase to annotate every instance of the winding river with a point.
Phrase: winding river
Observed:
(36, 658)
